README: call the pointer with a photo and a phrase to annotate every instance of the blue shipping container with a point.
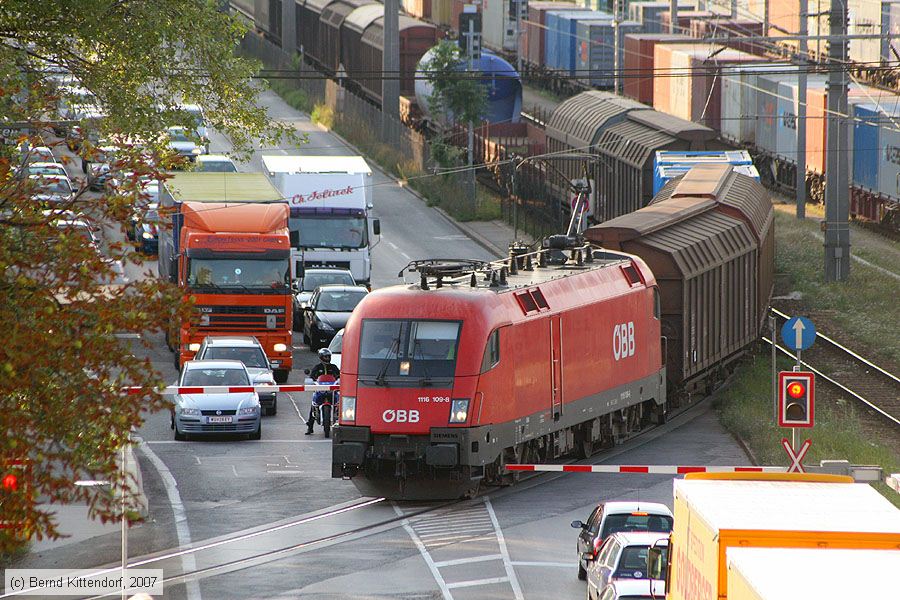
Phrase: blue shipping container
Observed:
(865, 146)
(665, 173)
(561, 38)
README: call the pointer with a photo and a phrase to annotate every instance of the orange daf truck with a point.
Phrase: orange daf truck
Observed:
(229, 249)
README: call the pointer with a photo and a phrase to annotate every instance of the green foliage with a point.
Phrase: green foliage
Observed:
(443, 154)
(323, 115)
(458, 95)
(62, 367)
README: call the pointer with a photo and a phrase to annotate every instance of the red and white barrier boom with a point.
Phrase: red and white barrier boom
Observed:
(236, 389)
(651, 469)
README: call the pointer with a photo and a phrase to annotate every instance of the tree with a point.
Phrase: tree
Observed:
(62, 301)
(457, 95)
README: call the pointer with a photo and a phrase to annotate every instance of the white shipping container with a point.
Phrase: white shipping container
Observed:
(739, 93)
(498, 31)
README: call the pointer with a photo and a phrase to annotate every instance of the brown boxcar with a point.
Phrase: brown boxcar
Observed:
(362, 58)
(531, 42)
(627, 150)
(638, 75)
(331, 23)
(575, 126)
(310, 32)
(705, 262)
(731, 30)
(740, 197)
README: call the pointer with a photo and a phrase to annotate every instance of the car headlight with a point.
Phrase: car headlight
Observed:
(325, 326)
(348, 408)
(249, 410)
(195, 347)
(190, 412)
(196, 151)
(149, 236)
(280, 347)
(459, 411)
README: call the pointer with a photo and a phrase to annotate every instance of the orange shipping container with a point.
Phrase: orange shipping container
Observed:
(639, 76)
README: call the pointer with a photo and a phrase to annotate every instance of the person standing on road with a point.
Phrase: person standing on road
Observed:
(323, 368)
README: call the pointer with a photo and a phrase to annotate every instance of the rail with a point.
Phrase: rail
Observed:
(889, 413)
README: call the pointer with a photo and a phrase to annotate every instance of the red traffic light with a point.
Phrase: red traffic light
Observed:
(796, 390)
(10, 482)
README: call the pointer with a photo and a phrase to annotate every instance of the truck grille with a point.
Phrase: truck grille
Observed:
(239, 318)
(334, 264)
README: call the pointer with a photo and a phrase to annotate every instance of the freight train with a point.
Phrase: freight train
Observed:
(559, 351)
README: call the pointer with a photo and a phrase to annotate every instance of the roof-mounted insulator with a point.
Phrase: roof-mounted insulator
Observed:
(513, 263)
(503, 275)
(440, 282)
(528, 266)
(542, 258)
(473, 281)
(589, 253)
(493, 277)
(423, 281)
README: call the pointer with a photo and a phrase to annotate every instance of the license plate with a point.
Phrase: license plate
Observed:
(220, 419)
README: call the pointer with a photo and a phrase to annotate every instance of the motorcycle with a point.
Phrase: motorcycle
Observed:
(324, 402)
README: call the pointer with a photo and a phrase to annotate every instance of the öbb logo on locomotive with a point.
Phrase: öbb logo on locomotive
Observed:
(623, 340)
(400, 416)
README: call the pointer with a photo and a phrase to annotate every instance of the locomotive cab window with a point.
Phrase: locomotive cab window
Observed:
(656, 306)
(491, 352)
(402, 352)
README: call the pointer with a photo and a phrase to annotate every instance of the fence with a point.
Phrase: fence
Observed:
(527, 198)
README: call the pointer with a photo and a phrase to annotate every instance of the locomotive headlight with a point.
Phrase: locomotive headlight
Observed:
(348, 408)
(459, 411)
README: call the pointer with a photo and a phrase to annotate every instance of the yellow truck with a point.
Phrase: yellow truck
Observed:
(823, 574)
(714, 512)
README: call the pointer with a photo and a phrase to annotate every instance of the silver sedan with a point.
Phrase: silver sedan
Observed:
(216, 413)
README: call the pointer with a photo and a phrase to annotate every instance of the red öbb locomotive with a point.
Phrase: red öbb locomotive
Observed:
(479, 365)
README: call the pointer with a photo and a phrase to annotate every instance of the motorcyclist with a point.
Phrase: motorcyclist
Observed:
(323, 368)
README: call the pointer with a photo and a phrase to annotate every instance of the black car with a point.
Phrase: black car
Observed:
(145, 230)
(328, 311)
(312, 278)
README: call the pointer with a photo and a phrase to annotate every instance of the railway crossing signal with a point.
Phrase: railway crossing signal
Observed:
(796, 457)
(796, 399)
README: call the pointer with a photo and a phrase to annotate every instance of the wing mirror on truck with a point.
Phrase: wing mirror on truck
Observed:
(657, 563)
(376, 226)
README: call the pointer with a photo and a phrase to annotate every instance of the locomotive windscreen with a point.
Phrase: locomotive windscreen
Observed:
(407, 352)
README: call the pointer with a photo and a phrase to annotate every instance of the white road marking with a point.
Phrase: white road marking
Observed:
(188, 563)
(297, 441)
(475, 582)
(234, 470)
(284, 472)
(466, 561)
(297, 408)
(528, 563)
(510, 571)
(445, 591)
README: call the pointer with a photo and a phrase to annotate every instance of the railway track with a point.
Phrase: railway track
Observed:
(868, 384)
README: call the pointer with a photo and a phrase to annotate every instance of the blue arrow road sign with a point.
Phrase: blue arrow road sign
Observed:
(798, 333)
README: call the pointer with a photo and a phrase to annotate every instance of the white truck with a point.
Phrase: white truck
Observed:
(330, 199)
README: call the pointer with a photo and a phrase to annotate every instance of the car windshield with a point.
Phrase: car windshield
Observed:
(78, 229)
(330, 232)
(635, 522)
(178, 135)
(339, 301)
(151, 216)
(238, 273)
(251, 357)
(53, 186)
(313, 280)
(408, 348)
(46, 170)
(336, 344)
(204, 377)
(633, 563)
(216, 166)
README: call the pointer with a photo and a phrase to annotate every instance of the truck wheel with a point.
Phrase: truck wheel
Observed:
(281, 375)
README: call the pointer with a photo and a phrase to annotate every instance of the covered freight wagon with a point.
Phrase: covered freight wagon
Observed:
(362, 58)
(331, 23)
(704, 249)
(310, 33)
(627, 150)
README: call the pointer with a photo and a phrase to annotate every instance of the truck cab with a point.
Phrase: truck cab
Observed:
(330, 200)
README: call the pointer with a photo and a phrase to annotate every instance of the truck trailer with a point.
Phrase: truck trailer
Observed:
(229, 249)
(715, 512)
(823, 574)
(329, 199)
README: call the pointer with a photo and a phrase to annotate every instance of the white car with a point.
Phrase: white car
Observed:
(52, 189)
(337, 343)
(608, 518)
(623, 556)
(214, 163)
(249, 351)
(216, 412)
(184, 142)
(45, 168)
(632, 589)
(38, 154)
